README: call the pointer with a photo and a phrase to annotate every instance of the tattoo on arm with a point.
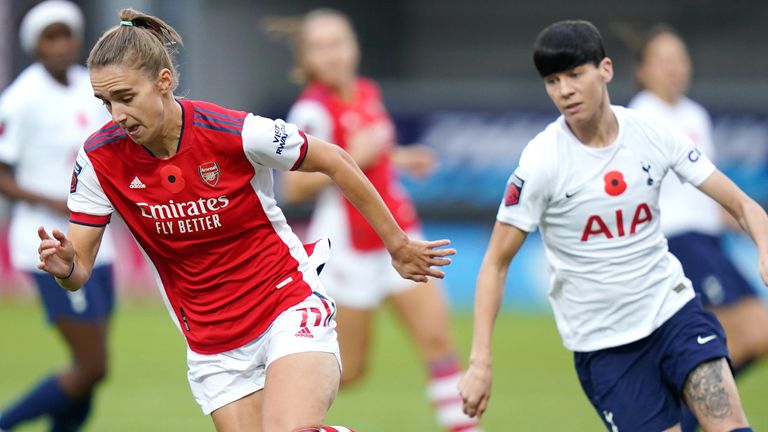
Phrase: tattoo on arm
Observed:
(705, 392)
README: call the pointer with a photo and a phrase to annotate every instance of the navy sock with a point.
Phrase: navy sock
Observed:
(46, 398)
(72, 419)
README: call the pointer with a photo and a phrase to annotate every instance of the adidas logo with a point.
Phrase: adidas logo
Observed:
(304, 332)
(137, 184)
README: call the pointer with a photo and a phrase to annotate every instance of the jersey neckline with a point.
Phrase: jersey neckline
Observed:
(607, 150)
(183, 143)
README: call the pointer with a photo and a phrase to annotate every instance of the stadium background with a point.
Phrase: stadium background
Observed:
(456, 75)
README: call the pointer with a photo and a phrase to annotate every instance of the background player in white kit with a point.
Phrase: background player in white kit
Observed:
(590, 181)
(193, 182)
(45, 115)
(339, 106)
(691, 221)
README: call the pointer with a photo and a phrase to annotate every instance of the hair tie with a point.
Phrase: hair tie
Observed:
(126, 23)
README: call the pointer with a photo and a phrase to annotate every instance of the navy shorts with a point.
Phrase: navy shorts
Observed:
(714, 277)
(638, 386)
(93, 302)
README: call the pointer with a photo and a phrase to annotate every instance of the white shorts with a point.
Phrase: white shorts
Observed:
(355, 279)
(362, 280)
(219, 379)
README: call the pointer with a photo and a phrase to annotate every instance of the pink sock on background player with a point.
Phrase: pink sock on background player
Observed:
(443, 391)
(327, 429)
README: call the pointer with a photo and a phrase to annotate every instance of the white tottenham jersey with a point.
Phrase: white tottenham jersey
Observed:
(683, 207)
(613, 280)
(42, 126)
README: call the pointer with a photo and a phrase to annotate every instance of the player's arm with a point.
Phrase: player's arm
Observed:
(13, 191)
(413, 259)
(302, 186)
(749, 214)
(364, 146)
(475, 386)
(69, 258)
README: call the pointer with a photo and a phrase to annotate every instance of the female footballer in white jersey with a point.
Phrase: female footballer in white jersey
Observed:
(642, 341)
(690, 220)
(45, 115)
(193, 182)
(339, 106)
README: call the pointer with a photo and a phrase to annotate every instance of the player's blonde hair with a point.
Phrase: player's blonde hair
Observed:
(140, 41)
(292, 29)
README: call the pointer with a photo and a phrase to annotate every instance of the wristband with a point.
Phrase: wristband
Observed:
(72, 270)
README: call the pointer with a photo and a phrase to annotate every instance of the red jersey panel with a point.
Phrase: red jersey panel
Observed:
(347, 117)
(206, 219)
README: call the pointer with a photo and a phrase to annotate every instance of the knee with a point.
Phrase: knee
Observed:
(91, 375)
(352, 373)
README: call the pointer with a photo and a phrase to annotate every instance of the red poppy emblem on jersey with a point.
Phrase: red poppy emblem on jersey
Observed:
(172, 179)
(614, 183)
(2, 128)
(512, 194)
(210, 173)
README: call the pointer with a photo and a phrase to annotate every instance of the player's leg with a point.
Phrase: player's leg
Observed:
(353, 280)
(82, 319)
(746, 325)
(354, 332)
(625, 386)
(241, 415)
(423, 310)
(710, 392)
(299, 390)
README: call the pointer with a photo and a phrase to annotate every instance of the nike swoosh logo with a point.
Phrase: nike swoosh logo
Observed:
(703, 340)
(568, 195)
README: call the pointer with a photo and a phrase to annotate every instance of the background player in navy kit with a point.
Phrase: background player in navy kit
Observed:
(262, 351)
(46, 115)
(641, 338)
(690, 220)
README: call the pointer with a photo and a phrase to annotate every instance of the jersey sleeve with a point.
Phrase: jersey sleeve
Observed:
(11, 132)
(527, 192)
(689, 163)
(273, 143)
(311, 117)
(88, 204)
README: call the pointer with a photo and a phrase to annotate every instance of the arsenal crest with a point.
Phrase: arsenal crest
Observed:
(210, 173)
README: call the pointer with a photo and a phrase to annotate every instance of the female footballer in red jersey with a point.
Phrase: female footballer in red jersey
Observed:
(193, 182)
(339, 106)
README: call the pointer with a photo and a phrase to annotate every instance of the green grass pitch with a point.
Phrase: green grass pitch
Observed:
(535, 386)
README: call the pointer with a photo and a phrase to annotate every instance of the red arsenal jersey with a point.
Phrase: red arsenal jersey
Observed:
(206, 219)
(324, 114)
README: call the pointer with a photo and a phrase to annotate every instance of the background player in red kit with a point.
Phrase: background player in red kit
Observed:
(193, 182)
(339, 106)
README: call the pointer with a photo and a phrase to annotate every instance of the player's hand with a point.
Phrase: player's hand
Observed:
(415, 259)
(367, 144)
(417, 160)
(475, 390)
(57, 253)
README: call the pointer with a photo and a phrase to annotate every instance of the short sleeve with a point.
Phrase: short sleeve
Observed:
(88, 204)
(689, 163)
(313, 118)
(10, 132)
(527, 192)
(273, 143)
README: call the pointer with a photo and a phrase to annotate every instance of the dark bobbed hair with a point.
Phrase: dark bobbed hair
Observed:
(567, 44)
